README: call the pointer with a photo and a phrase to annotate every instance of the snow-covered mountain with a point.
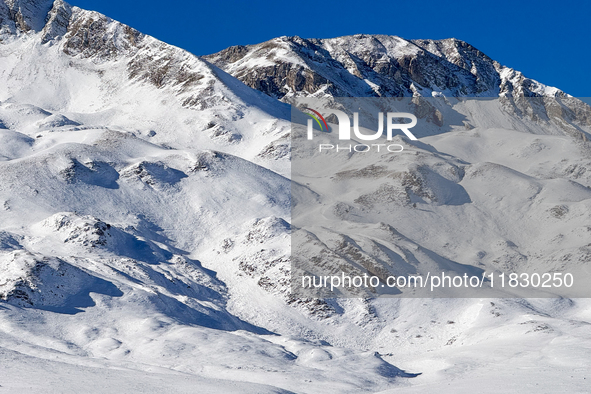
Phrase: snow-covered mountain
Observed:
(373, 66)
(145, 215)
(288, 68)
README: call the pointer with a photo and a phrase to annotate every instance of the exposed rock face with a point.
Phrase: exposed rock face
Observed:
(58, 21)
(372, 66)
(23, 15)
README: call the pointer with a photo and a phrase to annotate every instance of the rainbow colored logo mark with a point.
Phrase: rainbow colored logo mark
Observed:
(317, 120)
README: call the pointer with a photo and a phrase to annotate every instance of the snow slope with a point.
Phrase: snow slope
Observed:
(145, 219)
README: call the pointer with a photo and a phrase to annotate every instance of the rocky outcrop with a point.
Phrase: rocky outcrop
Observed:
(373, 66)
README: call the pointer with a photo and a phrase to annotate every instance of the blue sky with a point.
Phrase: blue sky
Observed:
(547, 40)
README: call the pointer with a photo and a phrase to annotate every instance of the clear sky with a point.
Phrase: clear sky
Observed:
(549, 41)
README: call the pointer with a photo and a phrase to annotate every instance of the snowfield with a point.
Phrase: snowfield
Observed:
(146, 217)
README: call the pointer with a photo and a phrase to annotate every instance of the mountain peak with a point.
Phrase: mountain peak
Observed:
(366, 65)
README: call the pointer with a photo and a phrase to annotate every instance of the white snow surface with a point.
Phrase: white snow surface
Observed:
(145, 236)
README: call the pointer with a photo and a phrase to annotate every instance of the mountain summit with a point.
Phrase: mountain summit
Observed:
(373, 66)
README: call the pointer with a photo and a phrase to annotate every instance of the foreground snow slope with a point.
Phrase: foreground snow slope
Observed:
(145, 222)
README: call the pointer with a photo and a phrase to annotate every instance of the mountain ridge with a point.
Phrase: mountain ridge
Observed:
(376, 65)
